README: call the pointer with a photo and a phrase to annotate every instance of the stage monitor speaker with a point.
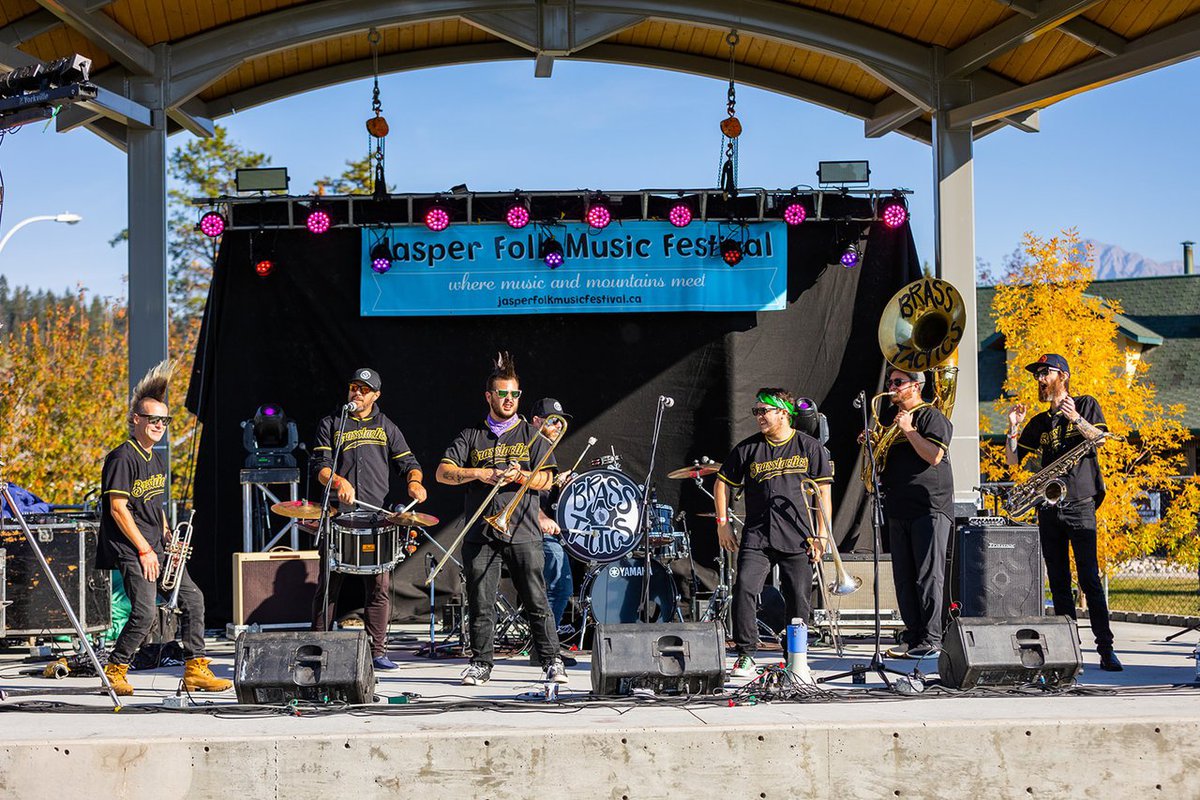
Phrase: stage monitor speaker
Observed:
(276, 667)
(985, 651)
(999, 571)
(667, 658)
(274, 588)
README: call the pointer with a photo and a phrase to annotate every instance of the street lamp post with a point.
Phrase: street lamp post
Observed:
(70, 219)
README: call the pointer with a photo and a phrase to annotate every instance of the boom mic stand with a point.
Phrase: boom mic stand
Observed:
(877, 664)
(663, 404)
(324, 534)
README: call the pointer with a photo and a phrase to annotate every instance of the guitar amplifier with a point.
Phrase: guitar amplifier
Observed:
(69, 546)
(275, 588)
(998, 571)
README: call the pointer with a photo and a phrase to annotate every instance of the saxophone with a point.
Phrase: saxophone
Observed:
(1047, 487)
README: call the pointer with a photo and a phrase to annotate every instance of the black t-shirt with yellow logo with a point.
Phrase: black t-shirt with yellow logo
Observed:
(1051, 435)
(477, 447)
(140, 477)
(771, 476)
(371, 449)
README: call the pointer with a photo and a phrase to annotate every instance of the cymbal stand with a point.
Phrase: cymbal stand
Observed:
(325, 542)
(31, 540)
(720, 603)
(434, 646)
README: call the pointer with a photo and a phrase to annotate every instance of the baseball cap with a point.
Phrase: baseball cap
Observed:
(1051, 360)
(367, 376)
(547, 406)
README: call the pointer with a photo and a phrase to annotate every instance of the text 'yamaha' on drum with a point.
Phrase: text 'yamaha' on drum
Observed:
(599, 514)
(367, 544)
(613, 592)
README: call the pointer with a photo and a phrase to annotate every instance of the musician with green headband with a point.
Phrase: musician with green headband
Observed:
(770, 467)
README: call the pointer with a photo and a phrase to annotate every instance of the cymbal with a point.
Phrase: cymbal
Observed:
(413, 519)
(695, 471)
(297, 509)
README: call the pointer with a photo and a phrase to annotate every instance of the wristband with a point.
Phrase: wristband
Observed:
(144, 552)
(520, 478)
(722, 520)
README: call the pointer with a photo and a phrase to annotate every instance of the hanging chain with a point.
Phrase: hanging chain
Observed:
(377, 127)
(731, 128)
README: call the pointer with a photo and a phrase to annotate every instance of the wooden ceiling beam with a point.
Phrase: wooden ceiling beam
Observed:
(1010, 34)
(105, 33)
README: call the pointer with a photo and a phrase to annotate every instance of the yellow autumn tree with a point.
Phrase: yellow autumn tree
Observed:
(1042, 306)
(65, 397)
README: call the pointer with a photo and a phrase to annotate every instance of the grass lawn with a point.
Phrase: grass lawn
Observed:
(1159, 595)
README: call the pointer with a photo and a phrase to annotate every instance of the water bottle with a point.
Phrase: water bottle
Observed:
(797, 650)
(1196, 656)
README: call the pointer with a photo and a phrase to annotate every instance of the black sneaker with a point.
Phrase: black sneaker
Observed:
(1109, 662)
(476, 673)
(923, 650)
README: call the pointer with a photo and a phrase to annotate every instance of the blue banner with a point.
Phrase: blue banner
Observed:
(627, 267)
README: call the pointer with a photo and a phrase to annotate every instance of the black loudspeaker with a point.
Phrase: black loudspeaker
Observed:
(668, 658)
(985, 651)
(999, 571)
(276, 667)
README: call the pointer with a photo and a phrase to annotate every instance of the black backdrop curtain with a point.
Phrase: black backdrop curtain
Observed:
(294, 337)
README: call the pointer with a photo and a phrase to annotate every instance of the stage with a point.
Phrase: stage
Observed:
(1134, 733)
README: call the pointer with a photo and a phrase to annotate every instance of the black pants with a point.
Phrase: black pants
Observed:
(919, 571)
(481, 564)
(377, 606)
(1073, 525)
(795, 578)
(144, 610)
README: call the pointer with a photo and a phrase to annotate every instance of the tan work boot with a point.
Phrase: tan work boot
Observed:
(197, 677)
(116, 678)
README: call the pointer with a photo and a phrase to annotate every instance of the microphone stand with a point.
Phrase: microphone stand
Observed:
(324, 535)
(877, 664)
(663, 403)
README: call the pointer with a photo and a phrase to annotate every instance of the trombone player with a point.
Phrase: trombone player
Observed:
(503, 451)
(772, 466)
(918, 491)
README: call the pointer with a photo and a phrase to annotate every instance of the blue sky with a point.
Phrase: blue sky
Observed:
(1119, 163)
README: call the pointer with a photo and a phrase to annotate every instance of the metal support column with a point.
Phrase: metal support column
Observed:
(954, 256)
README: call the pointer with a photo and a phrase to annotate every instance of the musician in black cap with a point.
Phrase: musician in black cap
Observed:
(1069, 526)
(372, 450)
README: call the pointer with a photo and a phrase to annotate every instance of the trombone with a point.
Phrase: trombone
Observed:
(844, 582)
(500, 521)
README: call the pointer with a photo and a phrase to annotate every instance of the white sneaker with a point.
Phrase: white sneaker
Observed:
(743, 667)
(556, 672)
(476, 673)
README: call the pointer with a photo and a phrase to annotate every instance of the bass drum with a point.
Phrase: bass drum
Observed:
(599, 513)
(613, 592)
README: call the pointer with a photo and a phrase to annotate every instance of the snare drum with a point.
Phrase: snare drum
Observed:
(367, 544)
(613, 592)
(673, 547)
(599, 513)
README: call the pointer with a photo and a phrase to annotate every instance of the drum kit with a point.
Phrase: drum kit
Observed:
(366, 542)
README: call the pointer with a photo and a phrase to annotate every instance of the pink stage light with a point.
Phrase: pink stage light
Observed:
(518, 215)
(893, 213)
(318, 221)
(212, 224)
(437, 218)
(794, 213)
(680, 215)
(598, 214)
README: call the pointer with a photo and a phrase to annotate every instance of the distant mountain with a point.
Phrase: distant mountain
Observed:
(1115, 262)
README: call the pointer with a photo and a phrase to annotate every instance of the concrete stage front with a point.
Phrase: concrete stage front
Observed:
(1136, 735)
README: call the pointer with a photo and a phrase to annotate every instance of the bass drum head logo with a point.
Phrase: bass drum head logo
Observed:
(599, 513)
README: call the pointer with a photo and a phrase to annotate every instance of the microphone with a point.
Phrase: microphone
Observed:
(667, 402)
(351, 406)
(860, 399)
(705, 460)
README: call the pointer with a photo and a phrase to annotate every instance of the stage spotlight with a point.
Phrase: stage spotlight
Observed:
(850, 256)
(264, 267)
(212, 224)
(893, 211)
(318, 221)
(381, 257)
(793, 211)
(551, 252)
(517, 215)
(437, 217)
(598, 214)
(680, 214)
(731, 252)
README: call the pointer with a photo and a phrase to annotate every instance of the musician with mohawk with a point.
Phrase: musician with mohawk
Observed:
(134, 531)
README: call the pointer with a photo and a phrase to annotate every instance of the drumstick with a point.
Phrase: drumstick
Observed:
(384, 510)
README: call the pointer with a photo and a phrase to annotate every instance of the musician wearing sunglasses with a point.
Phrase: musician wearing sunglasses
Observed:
(769, 466)
(1070, 526)
(918, 492)
(134, 532)
(373, 450)
(502, 449)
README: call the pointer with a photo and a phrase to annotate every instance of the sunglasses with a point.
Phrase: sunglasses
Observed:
(761, 411)
(1043, 372)
(361, 388)
(154, 419)
(515, 394)
(898, 382)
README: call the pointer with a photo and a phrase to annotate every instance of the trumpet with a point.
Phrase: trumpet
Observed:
(499, 522)
(844, 583)
(179, 551)
(504, 515)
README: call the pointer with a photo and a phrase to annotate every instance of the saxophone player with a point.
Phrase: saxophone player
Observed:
(1070, 523)
(133, 533)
